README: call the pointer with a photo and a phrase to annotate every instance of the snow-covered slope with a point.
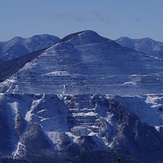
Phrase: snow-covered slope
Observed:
(85, 62)
(8, 68)
(44, 126)
(146, 45)
(18, 46)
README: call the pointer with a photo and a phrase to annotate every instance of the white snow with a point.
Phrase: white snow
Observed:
(57, 73)
(145, 107)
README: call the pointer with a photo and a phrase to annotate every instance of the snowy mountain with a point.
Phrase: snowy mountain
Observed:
(146, 45)
(87, 63)
(76, 127)
(18, 46)
(84, 99)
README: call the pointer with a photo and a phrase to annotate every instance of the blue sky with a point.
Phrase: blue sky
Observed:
(109, 18)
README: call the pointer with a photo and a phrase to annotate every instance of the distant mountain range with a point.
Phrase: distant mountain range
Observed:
(146, 45)
(19, 46)
(83, 98)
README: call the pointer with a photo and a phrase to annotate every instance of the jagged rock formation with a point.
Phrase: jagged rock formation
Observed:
(73, 125)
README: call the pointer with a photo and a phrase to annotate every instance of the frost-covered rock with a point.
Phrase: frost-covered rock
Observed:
(73, 125)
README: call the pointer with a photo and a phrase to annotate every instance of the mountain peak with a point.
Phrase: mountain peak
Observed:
(15, 40)
(84, 37)
(126, 41)
(45, 37)
(89, 33)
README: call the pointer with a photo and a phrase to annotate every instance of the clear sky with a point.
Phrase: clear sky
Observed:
(109, 18)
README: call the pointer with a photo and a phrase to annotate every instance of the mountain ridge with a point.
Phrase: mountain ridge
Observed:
(19, 46)
(146, 45)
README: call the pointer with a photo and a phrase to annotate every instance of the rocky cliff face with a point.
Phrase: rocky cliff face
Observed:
(73, 125)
